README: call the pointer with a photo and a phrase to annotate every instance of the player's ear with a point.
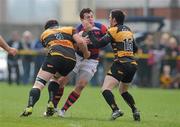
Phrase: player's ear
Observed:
(114, 21)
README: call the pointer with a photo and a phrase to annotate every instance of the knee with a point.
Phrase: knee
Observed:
(62, 81)
(105, 88)
(40, 83)
(123, 89)
(81, 84)
(38, 86)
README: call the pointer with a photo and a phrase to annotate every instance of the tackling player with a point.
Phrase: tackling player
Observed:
(124, 66)
(60, 60)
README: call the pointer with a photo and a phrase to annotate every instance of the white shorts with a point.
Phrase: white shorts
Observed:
(89, 65)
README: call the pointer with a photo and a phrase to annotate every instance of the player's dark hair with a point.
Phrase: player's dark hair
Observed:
(118, 15)
(84, 10)
(51, 23)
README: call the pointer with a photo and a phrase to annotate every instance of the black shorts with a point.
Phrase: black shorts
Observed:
(58, 64)
(123, 71)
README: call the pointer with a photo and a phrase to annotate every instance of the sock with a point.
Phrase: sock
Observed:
(34, 95)
(129, 100)
(57, 96)
(72, 98)
(109, 97)
(54, 93)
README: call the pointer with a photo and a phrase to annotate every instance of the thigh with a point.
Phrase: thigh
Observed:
(64, 80)
(109, 83)
(65, 66)
(79, 60)
(48, 65)
(129, 72)
(89, 65)
(116, 71)
(84, 76)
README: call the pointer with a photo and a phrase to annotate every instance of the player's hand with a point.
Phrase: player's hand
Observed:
(87, 26)
(12, 51)
(86, 40)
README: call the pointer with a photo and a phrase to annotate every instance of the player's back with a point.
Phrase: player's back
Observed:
(59, 41)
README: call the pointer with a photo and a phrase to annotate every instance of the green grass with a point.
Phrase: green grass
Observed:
(159, 108)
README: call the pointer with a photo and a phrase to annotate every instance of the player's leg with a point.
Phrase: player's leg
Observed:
(129, 100)
(108, 85)
(53, 89)
(63, 66)
(62, 81)
(34, 94)
(82, 79)
(129, 72)
(46, 72)
(113, 77)
(56, 90)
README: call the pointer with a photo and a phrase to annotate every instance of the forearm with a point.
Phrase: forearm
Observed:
(84, 49)
(3, 44)
(97, 43)
(81, 45)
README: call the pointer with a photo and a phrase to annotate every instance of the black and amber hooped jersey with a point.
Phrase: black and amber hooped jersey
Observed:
(59, 41)
(122, 42)
(58, 36)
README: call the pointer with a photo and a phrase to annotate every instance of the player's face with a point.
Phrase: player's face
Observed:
(111, 21)
(89, 17)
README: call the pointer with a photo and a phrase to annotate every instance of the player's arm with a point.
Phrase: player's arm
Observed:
(97, 43)
(101, 42)
(82, 45)
(6, 47)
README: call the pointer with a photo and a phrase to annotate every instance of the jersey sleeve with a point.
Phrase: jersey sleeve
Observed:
(103, 29)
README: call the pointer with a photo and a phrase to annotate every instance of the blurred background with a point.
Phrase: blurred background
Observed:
(156, 24)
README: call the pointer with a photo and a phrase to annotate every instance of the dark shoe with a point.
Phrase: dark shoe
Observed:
(50, 110)
(136, 115)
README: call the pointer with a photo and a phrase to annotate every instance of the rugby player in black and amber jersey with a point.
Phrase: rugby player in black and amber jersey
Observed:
(84, 69)
(59, 61)
(124, 66)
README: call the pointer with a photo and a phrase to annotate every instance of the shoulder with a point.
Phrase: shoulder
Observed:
(123, 28)
(67, 28)
(112, 29)
(101, 26)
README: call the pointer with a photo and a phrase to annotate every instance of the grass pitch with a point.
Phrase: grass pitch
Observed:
(159, 108)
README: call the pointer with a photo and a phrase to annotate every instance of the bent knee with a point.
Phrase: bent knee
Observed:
(81, 84)
(105, 88)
